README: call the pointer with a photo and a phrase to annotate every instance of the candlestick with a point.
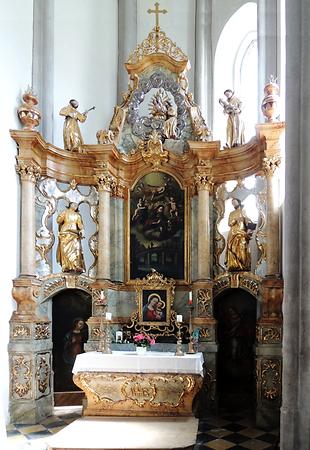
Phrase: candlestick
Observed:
(104, 334)
(178, 350)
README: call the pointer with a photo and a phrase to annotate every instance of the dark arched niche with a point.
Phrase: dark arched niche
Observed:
(236, 313)
(68, 306)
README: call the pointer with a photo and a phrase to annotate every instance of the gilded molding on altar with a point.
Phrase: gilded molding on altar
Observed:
(21, 372)
(27, 170)
(134, 395)
(53, 285)
(43, 373)
(154, 154)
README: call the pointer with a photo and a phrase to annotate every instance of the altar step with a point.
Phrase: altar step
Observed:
(119, 433)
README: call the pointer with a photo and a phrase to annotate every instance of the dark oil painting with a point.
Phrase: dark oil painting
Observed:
(157, 205)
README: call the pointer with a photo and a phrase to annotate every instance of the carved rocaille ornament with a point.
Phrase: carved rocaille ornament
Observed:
(27, 170)
(136, 395)
(204, 303)
(269, 334)
(21, 372)
(269, 376)
(42, 373)
(41, 331)
(21, 331)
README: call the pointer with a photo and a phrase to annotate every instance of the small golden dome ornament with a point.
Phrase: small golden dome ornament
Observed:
(270, 103)
(28, 114)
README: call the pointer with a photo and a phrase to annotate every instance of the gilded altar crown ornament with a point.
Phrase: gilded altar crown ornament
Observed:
(270, 103)
(155, 154)
(28, 114)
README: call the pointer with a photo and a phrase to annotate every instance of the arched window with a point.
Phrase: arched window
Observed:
(235, 67)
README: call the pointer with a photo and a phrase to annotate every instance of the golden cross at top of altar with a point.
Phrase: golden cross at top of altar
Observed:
(157, 11)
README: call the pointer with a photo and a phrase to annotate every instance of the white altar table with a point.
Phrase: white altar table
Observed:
(128, 384)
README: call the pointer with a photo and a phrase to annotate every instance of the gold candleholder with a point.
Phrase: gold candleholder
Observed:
(178, 350)
(191, 348)
(105, 337)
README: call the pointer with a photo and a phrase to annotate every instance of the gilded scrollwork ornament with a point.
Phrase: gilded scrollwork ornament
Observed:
(21, 332)
(42, 331)
(42, 372)
(21, 376)
(271, 379)
(104, 180)
(204, 303)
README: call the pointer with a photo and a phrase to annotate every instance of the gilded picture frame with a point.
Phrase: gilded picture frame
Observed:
(157, 224)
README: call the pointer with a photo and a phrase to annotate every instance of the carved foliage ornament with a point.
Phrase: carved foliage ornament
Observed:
(21, 332)
(270, 165)
(28, 171)
(42, 331)
(21, 376)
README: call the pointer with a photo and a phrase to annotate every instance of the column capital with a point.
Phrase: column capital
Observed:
(103, 179)
(271, 164)
(28, 170)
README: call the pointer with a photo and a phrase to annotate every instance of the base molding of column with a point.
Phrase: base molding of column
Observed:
(31, 411)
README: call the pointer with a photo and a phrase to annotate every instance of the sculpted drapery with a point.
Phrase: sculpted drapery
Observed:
(69, 250)
(238, 256)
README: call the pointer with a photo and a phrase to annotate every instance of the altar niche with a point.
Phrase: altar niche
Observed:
(235, 311)
(70, 310)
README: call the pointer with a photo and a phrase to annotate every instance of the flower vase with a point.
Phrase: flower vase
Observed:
(140, 350)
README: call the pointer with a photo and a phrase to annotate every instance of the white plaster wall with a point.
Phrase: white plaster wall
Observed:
(222, 10)
(85, 62)
(178, 24)
(15, 75)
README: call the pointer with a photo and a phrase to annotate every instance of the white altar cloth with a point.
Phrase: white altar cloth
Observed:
(150, 362)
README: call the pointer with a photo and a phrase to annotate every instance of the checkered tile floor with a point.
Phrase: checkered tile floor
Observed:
(229, 431)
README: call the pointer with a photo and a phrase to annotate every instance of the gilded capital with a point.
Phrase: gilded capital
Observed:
(28, 171)
(203, 181)
(270, 165)
(105, 181)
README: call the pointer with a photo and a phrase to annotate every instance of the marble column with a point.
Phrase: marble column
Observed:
(43, 63)
(204, 255)
(203, 59)
(295, 412)
(268, 43)
(105, 184)
(127, 40)
(272, 222)
(28, 172)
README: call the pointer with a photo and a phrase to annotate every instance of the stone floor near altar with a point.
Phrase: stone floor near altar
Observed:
(227, 431)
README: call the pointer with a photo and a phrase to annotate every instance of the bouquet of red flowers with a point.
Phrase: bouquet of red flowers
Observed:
(143, 340)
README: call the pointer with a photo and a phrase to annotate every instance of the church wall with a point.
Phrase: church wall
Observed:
(16, 54)
(222, 10)
(85, 67)
(178, 23)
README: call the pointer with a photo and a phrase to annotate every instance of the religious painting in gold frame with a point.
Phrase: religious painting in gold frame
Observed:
(157, 291)
(157, 224)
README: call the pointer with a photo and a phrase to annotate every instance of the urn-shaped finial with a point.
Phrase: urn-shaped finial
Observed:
(28, 114)
(270, 103)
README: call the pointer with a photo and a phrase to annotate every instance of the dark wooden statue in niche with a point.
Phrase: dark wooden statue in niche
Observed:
(157, 227)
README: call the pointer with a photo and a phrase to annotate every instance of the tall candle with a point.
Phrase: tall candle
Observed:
(108, 316)
(190, 298)
(179, 318)
(102, 295)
